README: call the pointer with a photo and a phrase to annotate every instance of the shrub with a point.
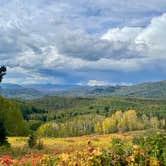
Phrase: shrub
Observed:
(32, 141)
(154, 146)
(40, 144)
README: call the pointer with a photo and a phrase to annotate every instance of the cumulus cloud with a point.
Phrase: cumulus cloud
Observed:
(84, 46)
(149, 42)
(126, 34)
(154, 37)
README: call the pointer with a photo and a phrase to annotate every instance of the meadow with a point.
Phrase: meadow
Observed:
(97, 150)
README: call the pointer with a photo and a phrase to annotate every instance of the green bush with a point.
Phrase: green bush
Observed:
(32, 141)
(40, 144)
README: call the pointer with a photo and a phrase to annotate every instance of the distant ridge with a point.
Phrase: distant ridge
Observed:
(18, 91)
(32, 91)
(143, 90)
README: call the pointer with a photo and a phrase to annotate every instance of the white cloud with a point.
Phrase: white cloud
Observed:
(148, 44)
(154, 37)
(126, 34)
(97, 83)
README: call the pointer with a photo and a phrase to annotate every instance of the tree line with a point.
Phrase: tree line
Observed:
(90, 124)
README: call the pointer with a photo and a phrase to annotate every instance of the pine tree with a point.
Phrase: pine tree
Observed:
(2, 72)
(3, 133)
(3, 138)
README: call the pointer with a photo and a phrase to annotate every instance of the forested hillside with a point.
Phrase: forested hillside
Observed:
(75, 116)
(12, 118)
(61, 108)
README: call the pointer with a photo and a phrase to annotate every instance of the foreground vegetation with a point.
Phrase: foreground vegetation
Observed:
(142, 148)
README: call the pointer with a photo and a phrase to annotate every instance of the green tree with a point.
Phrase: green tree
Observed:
(10, 114)
(12, 118)
(3, 132)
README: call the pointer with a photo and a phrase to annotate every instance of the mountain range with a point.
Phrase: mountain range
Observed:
(143, 90)
(32, 91)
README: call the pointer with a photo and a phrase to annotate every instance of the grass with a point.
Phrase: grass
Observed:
(62, 145)
(52, 143)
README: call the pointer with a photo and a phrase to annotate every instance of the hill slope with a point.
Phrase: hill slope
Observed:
(144, 90)
(12, 118)
(17, 91)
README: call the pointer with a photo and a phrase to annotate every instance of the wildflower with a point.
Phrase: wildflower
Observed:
(7, 161)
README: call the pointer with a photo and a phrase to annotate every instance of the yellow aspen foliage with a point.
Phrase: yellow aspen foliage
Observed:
(154, 122)
(106, 125)
(98, 128)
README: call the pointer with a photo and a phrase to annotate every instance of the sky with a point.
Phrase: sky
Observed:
(87, 42)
